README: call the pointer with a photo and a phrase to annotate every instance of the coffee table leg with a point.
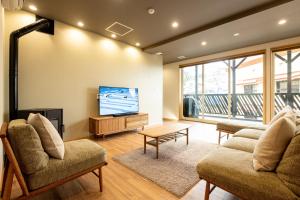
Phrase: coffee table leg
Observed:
(187, 136)
(145, 142)
(157, 140)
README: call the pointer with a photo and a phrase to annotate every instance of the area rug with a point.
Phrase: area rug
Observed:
(175, 170)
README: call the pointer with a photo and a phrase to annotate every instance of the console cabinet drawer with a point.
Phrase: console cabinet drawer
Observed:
(136, 121)
(112, 125)
(105, 125)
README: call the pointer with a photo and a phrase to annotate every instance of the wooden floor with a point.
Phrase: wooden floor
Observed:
(120, 183)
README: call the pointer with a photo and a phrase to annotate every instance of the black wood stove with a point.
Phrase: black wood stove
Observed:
(55, 115)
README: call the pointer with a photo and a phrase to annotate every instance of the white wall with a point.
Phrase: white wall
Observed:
(171, 92)
(172, 86)
(1, 84)
(66, 69)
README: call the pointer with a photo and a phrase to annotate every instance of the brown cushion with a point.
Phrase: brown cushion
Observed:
(249, 133)
(241, 143)
(272, 144)
(80, 155)
(233, 170)
(288, 169)
(50, 138)
(27, 147)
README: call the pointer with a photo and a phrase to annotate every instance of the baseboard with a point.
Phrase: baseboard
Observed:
(170, 119)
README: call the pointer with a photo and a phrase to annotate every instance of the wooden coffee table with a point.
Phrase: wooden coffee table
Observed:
(164, 133)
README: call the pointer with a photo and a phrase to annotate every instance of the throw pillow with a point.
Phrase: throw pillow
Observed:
(52, 142)
(281, 114)
(289, 166)
(27, 147)
(272, 144)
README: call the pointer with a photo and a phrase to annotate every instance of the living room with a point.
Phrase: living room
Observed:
(159, 100)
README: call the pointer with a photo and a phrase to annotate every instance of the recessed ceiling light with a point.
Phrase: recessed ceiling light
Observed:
(181, 57)
(80, 24)
(282, 21)
(159, 53)
(175, 24)
(203, 43)
(113, 35)
(236, 34)
(137, 44)
(32, 7)
(151, 11)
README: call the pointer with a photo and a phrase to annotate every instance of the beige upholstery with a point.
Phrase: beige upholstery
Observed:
(241, 143)
(232, 170)
(51, 140)
(27, 147)
(79, 155)
(288, 169)
(272, 144)
(280, 114)
(235, 126)
(40, 170)
(249, 133)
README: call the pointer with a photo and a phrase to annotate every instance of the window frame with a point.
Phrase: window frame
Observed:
(273, 82)
(262, 52)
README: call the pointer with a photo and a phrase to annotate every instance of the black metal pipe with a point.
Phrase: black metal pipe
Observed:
(13, 62)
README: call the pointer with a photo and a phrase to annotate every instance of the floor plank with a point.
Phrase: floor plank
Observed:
(120, 183)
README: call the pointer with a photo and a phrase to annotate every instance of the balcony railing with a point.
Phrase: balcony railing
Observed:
(242, 106)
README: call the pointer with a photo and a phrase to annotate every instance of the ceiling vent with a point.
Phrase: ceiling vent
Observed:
(119, 29)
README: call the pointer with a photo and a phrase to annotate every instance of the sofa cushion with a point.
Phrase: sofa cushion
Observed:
(27, 147)
(232, 170)
(288, 169)
(272, 144)
(280, 114)
(241, 143)
(51, 140)
(249, 133)
(79, 155)
(235, 126)
(16, 123)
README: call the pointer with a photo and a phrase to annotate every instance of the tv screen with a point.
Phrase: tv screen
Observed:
(118, 100)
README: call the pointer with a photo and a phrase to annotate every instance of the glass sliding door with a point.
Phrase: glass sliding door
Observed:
(192, 90)
(231, 88)
(216, 90)
(247, 91)
(286, 77)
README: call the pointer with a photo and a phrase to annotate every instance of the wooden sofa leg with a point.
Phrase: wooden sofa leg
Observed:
(8, 183)
(219, 140)
(4, 178)
(100, 180)
(207, 191)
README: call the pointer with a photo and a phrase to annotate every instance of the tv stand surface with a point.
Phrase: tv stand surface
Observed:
(106, 125)
(124, 114)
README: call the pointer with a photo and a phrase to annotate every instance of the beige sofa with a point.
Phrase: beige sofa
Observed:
(231, 127)
(230, 168)
(35, 170)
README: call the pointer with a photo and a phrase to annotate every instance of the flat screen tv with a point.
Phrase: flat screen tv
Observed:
(118, 100)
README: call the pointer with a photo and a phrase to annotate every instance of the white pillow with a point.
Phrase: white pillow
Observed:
(51, 140)
(281, 114)
(272, 144)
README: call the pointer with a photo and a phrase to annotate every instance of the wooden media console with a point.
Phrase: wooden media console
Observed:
(106, 125)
